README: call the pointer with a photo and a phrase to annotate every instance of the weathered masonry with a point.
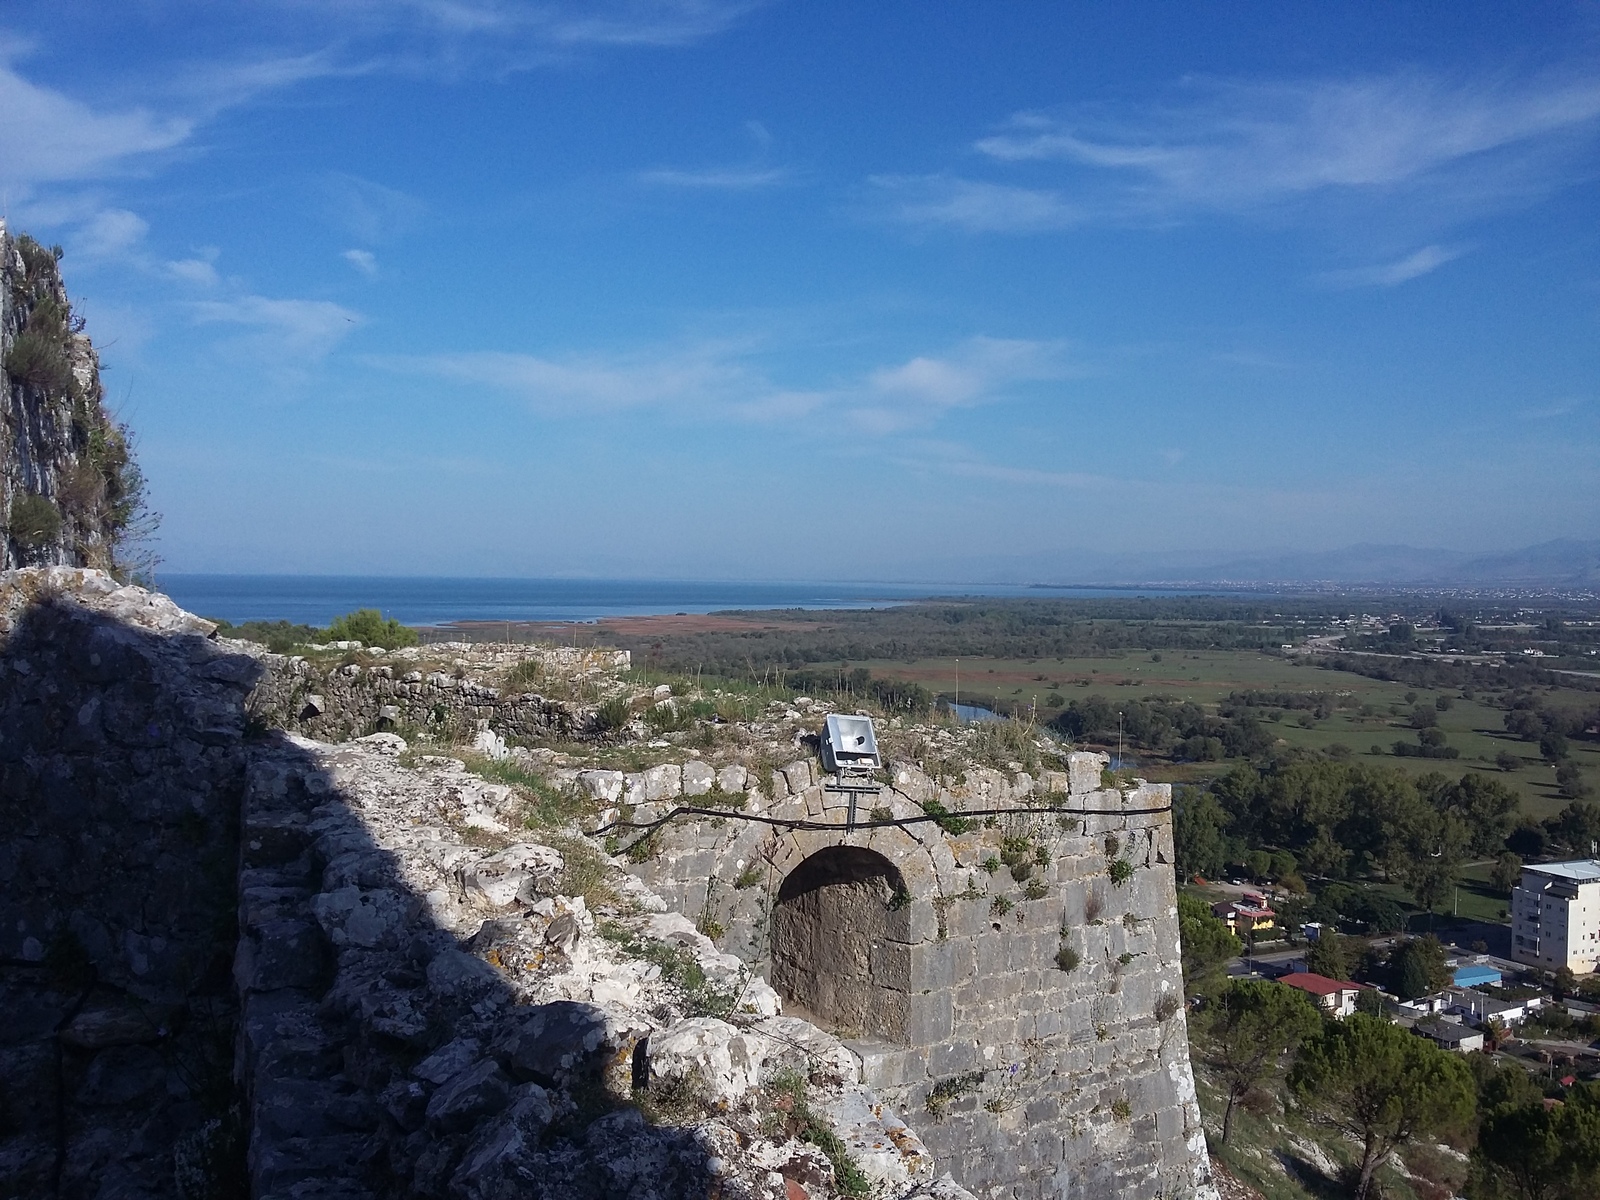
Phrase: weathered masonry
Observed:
(1017, 984)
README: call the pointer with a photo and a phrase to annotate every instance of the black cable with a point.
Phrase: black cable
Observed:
(893, 822)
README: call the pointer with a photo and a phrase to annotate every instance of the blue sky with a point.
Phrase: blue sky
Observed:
(884, 291)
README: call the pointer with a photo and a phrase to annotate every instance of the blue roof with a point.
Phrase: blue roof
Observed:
(1473, 976)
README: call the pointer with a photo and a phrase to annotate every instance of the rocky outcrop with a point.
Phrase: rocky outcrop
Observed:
(239, 962)
(433, 1006)
(70, 492)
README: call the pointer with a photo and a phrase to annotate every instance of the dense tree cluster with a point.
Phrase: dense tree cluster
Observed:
(1346, 820)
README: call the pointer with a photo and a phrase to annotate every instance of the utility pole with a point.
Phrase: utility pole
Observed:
(1119, 739)
(956, 711)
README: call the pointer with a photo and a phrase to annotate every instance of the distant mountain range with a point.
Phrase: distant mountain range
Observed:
(1564, 562)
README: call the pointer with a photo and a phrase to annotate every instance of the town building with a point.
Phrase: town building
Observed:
(1244, 917)
(1555, 916)
(1479, 1008)
(1477, 975)
(1449, 1035)
(1335, 997)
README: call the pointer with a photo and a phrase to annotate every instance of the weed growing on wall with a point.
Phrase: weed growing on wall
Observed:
(786, 1093)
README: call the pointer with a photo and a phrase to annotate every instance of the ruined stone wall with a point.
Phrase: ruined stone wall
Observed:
(441, 688)
(121, 773)
(239, 962)
(1043, 1043)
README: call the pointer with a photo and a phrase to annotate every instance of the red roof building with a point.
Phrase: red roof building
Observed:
(1334, 996)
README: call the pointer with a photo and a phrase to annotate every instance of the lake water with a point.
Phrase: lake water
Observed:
(317, 599)
(967, 714)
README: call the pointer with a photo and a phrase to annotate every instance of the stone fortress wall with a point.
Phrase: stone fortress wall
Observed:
(1035, 1025)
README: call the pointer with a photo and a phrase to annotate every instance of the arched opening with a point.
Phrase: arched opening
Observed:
(841, 943)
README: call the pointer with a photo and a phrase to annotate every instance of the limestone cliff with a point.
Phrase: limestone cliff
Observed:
(70, 491)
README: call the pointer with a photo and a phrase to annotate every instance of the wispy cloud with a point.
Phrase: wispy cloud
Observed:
(749, 176)
(975, 205)
(1546, 412)
(298, 330)
(453, 36)
(943, 459)
(370, 212)
(723, 379)
(1413, 266)
(1254, 359)
(681, 379)
(47, 137)
(1251, 147)
(729, 179)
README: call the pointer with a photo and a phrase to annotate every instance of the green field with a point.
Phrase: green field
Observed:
(1206, 677)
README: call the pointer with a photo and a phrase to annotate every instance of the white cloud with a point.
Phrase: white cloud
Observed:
(1413, 266)
(1245, 147)
(110, 233)
(197, 271)
(362, 260)
(975, 205)
(297, 329)
(717, 379)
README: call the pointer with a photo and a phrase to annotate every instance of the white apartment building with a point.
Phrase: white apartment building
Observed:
(1555, 916)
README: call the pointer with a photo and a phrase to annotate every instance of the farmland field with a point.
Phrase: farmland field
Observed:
(1207, 677)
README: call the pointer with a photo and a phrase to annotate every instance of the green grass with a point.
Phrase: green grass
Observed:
(1206, 677)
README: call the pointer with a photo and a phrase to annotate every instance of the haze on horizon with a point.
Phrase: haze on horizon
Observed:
(697, 289)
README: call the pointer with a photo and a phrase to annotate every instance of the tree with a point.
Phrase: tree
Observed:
(1564, 982)
(367, 626)
(1553, 746)
(1533, 1152)
(1485, 806)
(1570, 781)
(1197, 825)
(1368, 1001)
(1329, 955)
(1417, 968)
(1507, 761)
(1382, 1085)
(1383, 915)
(1577, 825)
(1283, 865)
(1248, 1031)
(1206, 944)
(1507, 872)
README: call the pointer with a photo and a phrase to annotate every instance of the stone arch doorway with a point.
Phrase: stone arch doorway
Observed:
(841, 943)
